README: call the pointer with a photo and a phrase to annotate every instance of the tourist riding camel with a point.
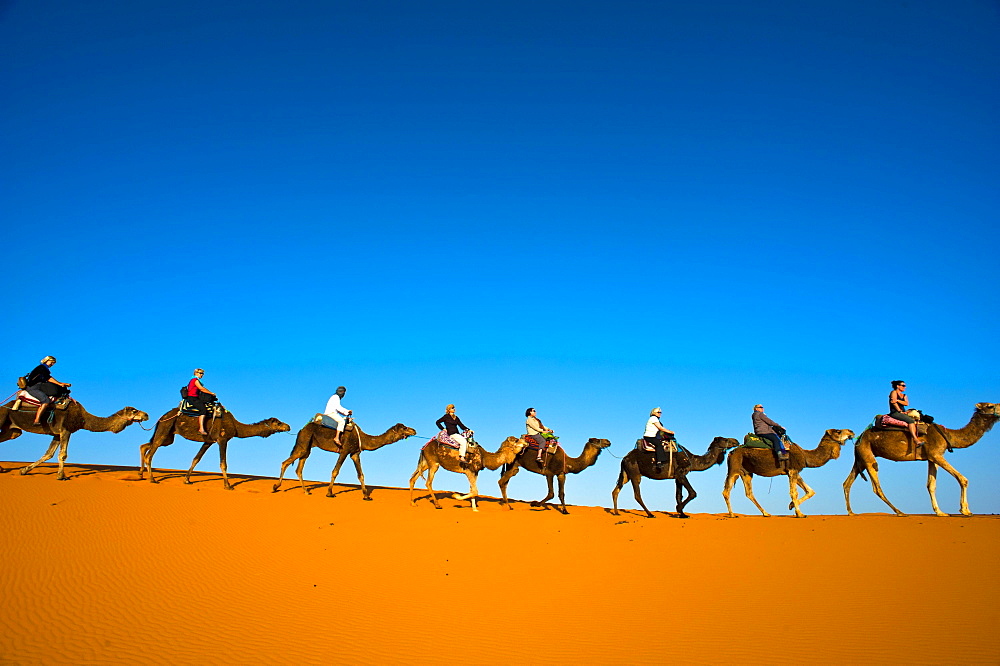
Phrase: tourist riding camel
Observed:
(43, 387)
(555, 465)
(894, 445)
(745, 461)
(639, 463)
(198, 398)
(313, 435)
(67, 418)
(448, 426)
(767, 429)
(898, 406)
(437, 453)
(658, 437)
(335, 416)
(537, 432)
(222, 428)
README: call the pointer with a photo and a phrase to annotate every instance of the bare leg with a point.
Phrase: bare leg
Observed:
(201, 425)
(39, 412)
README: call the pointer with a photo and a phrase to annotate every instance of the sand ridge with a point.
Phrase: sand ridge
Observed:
(105, 568)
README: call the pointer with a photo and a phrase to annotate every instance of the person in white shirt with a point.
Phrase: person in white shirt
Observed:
(335, 412)
(655, 434)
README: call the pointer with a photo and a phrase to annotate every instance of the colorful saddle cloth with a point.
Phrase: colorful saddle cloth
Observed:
(550, 442)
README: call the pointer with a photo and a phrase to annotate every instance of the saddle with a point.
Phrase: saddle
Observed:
(212, 409)
(752, 441)
(23, 398)
(551, 444)
(320, 419)
(886, 422)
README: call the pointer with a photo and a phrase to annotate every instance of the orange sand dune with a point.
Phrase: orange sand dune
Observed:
(104, 568)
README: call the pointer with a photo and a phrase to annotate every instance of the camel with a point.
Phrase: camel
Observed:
(435, 454)
(554, 465)
(638, 463)
(220, 431)
(355, 441)
(896, 445)
(64, 423)
(744, 462)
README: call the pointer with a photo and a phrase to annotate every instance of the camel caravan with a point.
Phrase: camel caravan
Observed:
(44, 406)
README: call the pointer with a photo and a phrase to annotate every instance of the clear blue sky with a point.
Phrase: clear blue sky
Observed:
(588, 208)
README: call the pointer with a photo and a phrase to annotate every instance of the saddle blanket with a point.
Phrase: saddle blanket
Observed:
(443, 438)
(887, 421)
(24, 399)
(551, 443)
(752, 441)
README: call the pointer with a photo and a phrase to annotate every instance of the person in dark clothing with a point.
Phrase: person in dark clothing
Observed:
(43, 387)
(898, 404)
(450, 423)
(768, 429)
(198, 396)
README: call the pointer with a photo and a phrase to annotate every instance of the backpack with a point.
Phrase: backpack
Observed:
(22, 382)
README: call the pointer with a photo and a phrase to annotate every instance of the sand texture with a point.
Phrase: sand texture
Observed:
(105, 568)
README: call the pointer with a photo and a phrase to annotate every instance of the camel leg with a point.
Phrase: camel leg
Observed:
(793, 492)
(549, 495)
(356, 458)
(726, 490)
(473, 490)
(421, 466)
(147, 451)
(223, 466)
(562, 492)
(432, 469)
(809, 492)
(143, 448)
(963, 483)
(636, 478)
(848, 482)
(63, 454)
(197, 459)
(336, 470)
(504, 480)
(748, 489)
(49, 452)
(877, 487)
(281, 474)
(614, 493)
(681, 483)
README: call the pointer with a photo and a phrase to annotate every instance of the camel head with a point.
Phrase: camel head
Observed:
(988, 409)
(839, 437)
(402, 431)
(599, 442)
(722, 444)
(273, 425)
(130, 415)
(518, 444)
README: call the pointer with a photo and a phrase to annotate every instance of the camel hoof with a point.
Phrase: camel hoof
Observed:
(228, 487)
(683, 515)
(367, 499)
(901, 514)
(62, 478)
(24, 470)
(274, 488)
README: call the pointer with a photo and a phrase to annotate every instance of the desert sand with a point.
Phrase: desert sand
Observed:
(104, 568)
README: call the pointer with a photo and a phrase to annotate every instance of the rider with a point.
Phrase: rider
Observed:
(898, 402)
(656, 435)
(536, 430)
(43, 387)
(765, 428)
(451, 424)
(198, 396)
(336, 412)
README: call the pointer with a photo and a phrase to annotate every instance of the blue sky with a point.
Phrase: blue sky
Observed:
(588, 208)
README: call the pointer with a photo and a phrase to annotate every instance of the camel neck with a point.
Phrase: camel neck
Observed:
(828, 448)
(971, 432)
